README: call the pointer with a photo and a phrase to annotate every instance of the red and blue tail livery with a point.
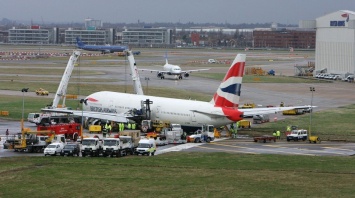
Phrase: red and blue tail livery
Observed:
(228, 92)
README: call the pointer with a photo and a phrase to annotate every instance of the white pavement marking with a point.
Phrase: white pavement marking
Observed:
(184, 146)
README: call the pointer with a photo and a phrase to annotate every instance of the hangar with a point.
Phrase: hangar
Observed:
(335, 43)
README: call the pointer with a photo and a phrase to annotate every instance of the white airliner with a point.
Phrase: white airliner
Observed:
(220, 111)
(174, 70)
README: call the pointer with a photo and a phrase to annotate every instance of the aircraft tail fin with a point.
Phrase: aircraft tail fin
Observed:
(228, 92)
(166, 58)
(79, 43)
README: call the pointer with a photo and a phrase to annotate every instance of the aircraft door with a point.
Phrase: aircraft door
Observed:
(193, 117)
(157, 113)
(110, 107)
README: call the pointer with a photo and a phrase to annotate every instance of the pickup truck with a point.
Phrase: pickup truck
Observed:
(296, 135)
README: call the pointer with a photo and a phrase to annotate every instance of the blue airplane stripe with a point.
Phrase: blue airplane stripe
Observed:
(232, 89)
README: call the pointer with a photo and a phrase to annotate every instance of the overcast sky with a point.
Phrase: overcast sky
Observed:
(197, 11)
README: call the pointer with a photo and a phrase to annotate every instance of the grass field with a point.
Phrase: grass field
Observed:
(178, 175)
(333, 124)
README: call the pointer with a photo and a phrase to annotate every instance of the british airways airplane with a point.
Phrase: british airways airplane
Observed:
(220, 111)
(102, 48)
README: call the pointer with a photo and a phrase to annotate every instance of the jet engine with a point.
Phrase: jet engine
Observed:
(186, 75)
(160, 75)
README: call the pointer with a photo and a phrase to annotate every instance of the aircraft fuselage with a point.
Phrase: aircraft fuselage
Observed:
(184, 112)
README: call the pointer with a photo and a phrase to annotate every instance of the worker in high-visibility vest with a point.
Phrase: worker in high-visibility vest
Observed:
(122, 126)
(109, 129)
(129, 126)
(288, 128)
(104, 131)
(274, 134)
(278, 134)
(133, 126)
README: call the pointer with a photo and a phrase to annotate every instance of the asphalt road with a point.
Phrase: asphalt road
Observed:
(242, 146)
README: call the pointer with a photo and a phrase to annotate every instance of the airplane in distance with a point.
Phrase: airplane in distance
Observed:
(102, 48)
(174, 70)
(220, 111)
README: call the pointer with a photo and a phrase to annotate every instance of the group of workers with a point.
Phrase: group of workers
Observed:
(107, 128)
(233, 131)
(277, 134)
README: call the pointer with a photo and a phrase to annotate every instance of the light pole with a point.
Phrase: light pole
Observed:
(147, 79)
(23, 106)
(312, 89)
(82, 101)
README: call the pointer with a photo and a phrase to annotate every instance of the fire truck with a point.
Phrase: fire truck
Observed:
(69, 130)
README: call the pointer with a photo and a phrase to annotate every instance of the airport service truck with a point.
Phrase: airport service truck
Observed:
(118, 146)
(204, 135)
(91, 146)
(174, 134)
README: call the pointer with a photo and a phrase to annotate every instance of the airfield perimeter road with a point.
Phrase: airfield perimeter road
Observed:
(327, 95)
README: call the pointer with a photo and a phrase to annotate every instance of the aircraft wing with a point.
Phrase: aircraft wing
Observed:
(194, 70)
(211, 114)
(269, 110)
(98, 115)
(152, 70)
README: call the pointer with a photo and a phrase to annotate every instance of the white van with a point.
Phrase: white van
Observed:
(146, 146)
(53, 149)
(33, 117)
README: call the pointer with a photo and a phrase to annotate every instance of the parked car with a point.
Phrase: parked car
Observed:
(336, 77)
(349, 78)
(53, 149)
(71, 149)
(211, 61)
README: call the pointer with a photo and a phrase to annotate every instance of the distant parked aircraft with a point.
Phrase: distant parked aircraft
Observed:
(174, 70)
(102, 48)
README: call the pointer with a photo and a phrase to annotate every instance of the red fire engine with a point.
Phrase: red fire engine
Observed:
(70, 130)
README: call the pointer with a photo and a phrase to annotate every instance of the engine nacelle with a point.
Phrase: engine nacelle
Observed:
(106, 51)
(159, 75)
(186, 75)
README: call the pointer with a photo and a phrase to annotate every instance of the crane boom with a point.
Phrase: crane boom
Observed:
(135, 76)
(62, 89)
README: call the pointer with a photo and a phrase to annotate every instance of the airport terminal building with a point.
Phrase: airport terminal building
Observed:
(150, 37)
(35, 35)
(335, 42)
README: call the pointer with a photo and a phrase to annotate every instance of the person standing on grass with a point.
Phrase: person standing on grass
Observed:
(278, 133)
(274, 134)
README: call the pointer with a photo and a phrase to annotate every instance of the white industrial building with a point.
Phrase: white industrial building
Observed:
(335, 42)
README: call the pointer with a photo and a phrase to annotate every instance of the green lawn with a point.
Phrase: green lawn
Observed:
(332, 124)
(178, 174)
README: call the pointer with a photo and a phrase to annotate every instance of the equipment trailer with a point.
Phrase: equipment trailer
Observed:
(265, 138)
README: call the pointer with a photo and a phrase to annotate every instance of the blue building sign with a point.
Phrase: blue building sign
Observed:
(337, 23)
